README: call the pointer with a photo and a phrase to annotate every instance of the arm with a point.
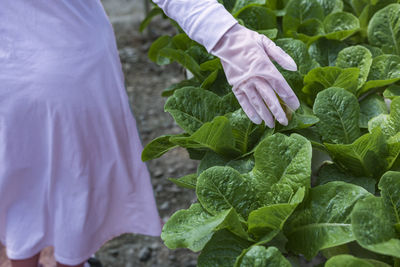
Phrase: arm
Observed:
(245, 56)
(204, 21)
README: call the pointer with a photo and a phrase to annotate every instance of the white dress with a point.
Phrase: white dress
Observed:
(71, 176)
(70, 169)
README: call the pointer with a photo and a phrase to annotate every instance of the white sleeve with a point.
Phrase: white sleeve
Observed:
(204, 21)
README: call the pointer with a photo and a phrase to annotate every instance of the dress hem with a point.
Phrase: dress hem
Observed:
(67, 261)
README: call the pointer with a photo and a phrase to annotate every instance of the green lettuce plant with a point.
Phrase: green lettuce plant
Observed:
(264, 197)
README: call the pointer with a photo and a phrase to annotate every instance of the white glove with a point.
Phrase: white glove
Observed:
(204, 21)
(244, 56)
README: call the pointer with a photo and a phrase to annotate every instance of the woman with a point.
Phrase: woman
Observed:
(71, 175)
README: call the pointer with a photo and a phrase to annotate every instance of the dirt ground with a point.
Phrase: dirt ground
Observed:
(144, 83)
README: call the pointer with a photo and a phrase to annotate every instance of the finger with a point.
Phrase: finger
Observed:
(282, 88)
(272, 101)
(277, 54)
(262, 110)
(246, 106)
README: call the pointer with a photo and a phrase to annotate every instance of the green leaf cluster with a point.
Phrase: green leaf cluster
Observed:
(326, 184)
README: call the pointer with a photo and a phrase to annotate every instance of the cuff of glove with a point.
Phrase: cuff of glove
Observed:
(215, 21)
(204, 21)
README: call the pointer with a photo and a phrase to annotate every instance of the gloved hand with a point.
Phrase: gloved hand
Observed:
(245, 56)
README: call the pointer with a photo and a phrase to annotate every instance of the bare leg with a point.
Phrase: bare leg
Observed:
(62, 265)
(31, 262)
